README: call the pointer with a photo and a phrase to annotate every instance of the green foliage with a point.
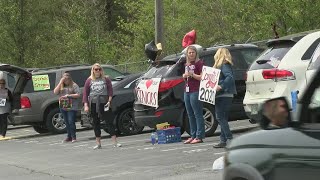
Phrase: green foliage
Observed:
(37, 33)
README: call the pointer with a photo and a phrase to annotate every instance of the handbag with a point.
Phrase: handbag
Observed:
(65, 103)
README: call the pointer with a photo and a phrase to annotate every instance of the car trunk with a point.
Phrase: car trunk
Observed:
(22, 76)
(264, 74)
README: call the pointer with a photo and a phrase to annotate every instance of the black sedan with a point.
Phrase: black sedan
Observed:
(122, 107)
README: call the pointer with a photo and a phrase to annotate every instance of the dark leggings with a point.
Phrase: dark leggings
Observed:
(107, 116)
(3, 124)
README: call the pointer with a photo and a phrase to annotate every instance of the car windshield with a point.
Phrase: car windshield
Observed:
(271, 57)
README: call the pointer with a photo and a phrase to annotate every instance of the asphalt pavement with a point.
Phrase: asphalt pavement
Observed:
(28, 155)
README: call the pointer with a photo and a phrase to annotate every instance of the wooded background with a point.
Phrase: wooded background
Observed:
(42, 33)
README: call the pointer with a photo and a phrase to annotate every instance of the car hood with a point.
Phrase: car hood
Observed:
(287, 137)
(23, 76)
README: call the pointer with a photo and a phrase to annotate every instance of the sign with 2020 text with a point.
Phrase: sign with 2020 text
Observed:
(147, 92)
(208, 84)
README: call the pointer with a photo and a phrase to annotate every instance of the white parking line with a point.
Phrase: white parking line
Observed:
(186, 147)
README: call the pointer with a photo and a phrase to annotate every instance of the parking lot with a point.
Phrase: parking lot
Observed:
(29, 155)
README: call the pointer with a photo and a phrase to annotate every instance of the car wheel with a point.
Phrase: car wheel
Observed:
(40, 129)
(210, 122)
(55, 122)
(126, 122)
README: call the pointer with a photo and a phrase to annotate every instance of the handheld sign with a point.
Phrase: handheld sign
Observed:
(40, 82)
(147, 92)
(208, 84)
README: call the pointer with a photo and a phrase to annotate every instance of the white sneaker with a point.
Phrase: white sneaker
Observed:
(117, 145)
(97, 147)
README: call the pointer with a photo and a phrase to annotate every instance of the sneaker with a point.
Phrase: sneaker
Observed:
(220, 145)
(196, 140)
(66, 140)
(117, 145)
(97, 147)
(73, 141)
(188, 141)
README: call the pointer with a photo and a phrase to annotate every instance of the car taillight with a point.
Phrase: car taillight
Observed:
(278, 74)
(25, 102)
(166, 85)
(158, 113)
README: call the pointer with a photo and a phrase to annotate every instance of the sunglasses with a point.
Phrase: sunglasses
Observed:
(97, 69)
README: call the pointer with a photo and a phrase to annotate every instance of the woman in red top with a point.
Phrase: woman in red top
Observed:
(192, 75)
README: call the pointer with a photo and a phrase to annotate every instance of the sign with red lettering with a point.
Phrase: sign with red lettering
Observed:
(147, 92)
(208, 84)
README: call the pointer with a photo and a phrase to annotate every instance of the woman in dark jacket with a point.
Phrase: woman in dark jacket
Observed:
(5, 107)
(97, 96)
(226, 89)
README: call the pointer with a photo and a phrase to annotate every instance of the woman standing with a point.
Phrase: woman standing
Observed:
(226, 89)
(69, 93)
(97, 96)
(194, 107)
(5, 107)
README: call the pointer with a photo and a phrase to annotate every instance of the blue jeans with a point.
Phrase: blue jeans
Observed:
(69, 119)
(195, 113)
(222, 109)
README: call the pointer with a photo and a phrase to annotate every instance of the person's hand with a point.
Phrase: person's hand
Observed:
(86, 108)
(218, 88)
(62, 80)
(109, 104)
(185, 75)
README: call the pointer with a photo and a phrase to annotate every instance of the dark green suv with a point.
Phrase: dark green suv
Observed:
(285, 148)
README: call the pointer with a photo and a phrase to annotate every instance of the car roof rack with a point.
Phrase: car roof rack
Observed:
(56, 67)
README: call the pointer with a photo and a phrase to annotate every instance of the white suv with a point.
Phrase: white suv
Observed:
(280, 70)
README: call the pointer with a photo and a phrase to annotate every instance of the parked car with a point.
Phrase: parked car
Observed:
(170, 99)
(122, 107)
(40, 109)
(275, 153)
(279, 70)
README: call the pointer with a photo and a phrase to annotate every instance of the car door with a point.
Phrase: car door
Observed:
(22, 76)
(314, 65)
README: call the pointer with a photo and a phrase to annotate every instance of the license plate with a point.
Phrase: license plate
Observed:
(254, 109)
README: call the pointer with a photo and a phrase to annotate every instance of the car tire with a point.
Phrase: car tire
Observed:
(40, 129)
(211, 123)
(55, 122)
(126, 123)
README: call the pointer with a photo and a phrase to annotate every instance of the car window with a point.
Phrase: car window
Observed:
(30, 88)
(238, 60)
(11, 78)
(112, 73)
(271, 57)
(208, 60)
(315, 60)
(80, 76)
(250, 55)
(307, 55)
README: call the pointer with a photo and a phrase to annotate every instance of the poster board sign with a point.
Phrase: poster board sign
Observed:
(40, 82)
(147, 92)
(208, 84)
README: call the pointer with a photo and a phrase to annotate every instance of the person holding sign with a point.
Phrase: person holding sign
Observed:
(97, 96)
(192, 76)
(5, 107)
(226, 89)
(69, 93)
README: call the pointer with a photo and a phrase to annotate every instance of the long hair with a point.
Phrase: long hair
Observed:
(193, 48)
(92, 71)
(222, 56)
(71, 80)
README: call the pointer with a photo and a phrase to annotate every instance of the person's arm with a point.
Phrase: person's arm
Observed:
(109, 88)
(58, 87)
(227, 72)
(86, 91)
(199, 69)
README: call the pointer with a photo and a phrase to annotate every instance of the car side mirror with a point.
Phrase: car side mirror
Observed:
(275, 114)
